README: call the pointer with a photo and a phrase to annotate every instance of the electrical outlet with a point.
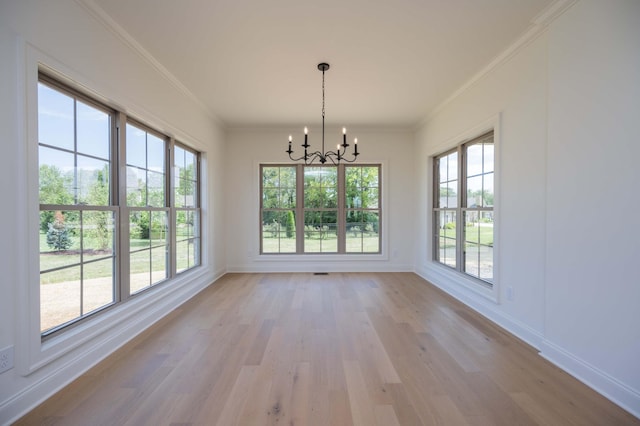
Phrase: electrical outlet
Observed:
(6, 359)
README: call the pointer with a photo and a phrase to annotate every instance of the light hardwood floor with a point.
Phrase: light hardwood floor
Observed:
(342, 349)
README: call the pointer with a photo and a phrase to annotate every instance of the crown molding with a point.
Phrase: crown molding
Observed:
(538, 25)
(110, 24)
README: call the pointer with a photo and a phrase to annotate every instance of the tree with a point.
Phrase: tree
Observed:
(290, 224)
(54, 189)
(58, 237)
(98, 223)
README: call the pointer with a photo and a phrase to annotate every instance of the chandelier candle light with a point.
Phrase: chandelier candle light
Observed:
(322, 156)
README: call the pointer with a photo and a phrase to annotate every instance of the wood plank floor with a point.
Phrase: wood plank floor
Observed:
(342, 349)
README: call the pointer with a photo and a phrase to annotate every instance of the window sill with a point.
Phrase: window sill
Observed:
(320, 257)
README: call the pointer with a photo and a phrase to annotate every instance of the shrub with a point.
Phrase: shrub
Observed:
(58, 237)
(290, 224)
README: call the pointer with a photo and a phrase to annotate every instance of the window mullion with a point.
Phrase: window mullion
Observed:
(125, 217)
(341, 215)
(462, 200)
(300, 209)
(170, 202)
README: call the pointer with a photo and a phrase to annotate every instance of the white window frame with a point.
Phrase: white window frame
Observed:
(93, 334)
(448, 276)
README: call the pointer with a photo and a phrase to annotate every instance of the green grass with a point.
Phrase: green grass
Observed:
(368, 244)
(139, 263)
(477, 234)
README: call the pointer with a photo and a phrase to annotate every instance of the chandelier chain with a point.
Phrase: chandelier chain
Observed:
(322, 94)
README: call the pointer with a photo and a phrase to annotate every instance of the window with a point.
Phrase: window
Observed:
(100, 245)
(148, 211)
(463, 208)
(187, 212)
(339, 207)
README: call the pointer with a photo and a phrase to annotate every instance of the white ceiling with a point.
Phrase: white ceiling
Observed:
(254, 62)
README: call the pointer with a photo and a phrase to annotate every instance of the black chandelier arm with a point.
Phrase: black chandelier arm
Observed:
(335, 157)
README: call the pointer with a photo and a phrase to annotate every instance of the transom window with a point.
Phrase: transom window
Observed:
(463, 208)
(320, 209)
(101, 242)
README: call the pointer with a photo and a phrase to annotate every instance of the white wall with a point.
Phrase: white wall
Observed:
(515, 93)
(65, 36)
(246, 148)
(592, 300)
(569, 108)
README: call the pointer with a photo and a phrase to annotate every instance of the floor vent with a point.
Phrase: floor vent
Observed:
(320, 273)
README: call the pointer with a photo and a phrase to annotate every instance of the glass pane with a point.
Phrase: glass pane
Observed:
(471, 259)
(270, 198)
(97, 233)
(320, 229)
(180, 187)
(59, 238)
(452, 166)
(55, 118)
(139, 230)
(270, 177)
(182, 255)
(158, 264)
(189, 188)
(93, 181)
(443, 167)
(140, 270)
(158, 228)
(178, 157)
(98, 285)
(194, 252)
(136, 147)
(447, 237)
(93, 131)
(488, 157)
(59, 297)
(486, 263)
(370, 198)
(155, 188)
(279, 231)
(487, 194)
(474, 159)
(353, 176)
(320, 187)
(485, 228)
(191, 162)
(362, 234)
(452, 195)
(370, 177)
(313, 191)
(136, 187)
(474, 191)
(182, 228)
(187, 254)
(155, 153)
(187, 241)
(56, 176)
(287, 198)
(479, 244)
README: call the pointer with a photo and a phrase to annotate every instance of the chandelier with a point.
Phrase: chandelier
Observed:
(322, 156)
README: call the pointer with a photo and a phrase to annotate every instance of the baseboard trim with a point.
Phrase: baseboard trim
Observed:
(484, 306)
(601, 382)
(297, 267)
(612, 389)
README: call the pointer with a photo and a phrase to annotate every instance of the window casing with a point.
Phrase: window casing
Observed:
(320, 209)
(109, 225)
(463, 215)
